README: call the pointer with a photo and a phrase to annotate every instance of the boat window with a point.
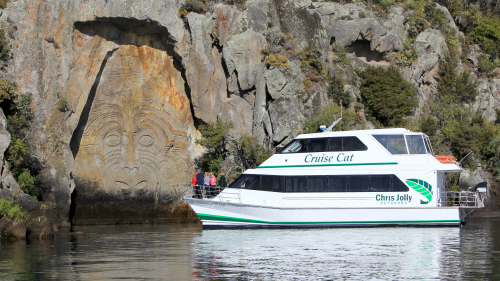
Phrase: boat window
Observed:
(353, 144)
(380, 183)
(279, 184)
(352, 183)
(247, 182)
(335, 144)
(305, 145)
(398, 185)
(266, 183)
(296, 184)
(324, 144)
(416, 144)
(394, 143)
(338, 183)
(346, 144)
(316, 183)
(359, 183)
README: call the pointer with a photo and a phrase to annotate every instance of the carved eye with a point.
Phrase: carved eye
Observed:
(141, 185)
(146, 140)
(112, 140)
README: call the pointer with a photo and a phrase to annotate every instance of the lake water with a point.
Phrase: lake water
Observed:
(185, 252)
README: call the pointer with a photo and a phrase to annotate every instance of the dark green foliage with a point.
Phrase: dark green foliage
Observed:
(453, 87)
(336, 91)
(487, 35)
(3, 4)
(429, 125)
(4, 46)
(251, 153)
(486, 66)
(11, 210)
(463, 141)
(492, 155)
(215, 138)
(312, 64)
(387, 95)
(17, 108)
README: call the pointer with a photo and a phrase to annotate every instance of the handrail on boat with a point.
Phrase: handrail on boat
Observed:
(465, 199)
(203, 191)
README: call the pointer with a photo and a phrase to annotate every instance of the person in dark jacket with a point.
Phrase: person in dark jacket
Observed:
(199, 182)
(222, 180)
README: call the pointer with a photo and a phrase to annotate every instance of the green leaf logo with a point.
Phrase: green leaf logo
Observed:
(421, 187)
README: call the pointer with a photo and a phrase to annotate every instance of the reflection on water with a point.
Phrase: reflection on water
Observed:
(184, 252)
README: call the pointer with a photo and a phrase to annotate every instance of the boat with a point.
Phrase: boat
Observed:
(379, 177)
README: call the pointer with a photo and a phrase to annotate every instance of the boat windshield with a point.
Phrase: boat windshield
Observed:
(416, 144)
(405, 144)
(394, 143)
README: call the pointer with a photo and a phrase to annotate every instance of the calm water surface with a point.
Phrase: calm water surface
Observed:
(184, 252)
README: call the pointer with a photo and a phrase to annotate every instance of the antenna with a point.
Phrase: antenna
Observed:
(464, 157)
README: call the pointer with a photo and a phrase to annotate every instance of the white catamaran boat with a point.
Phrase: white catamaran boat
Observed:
(384, 177)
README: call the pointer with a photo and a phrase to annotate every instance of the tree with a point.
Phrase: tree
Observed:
(336, 91)
(215, 138)
(387, 95)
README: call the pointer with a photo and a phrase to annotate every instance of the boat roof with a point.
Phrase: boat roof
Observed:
(392, 131)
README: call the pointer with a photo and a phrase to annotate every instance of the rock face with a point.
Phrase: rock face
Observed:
(140, 80)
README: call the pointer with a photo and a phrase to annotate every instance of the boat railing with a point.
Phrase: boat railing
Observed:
(466, 199)
(203, 191)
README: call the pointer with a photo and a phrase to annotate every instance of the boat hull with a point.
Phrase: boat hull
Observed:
(217, 214)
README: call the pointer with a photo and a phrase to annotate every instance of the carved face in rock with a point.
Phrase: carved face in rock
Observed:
(136, 137)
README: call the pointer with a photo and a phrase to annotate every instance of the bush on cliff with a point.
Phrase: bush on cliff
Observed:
(387, 95)
(11, 210)
(17, 109)
(336, 91)
(215, 138)
(250, 152)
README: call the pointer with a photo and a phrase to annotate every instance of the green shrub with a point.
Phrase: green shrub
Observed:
(452, 86)
(251, 153)
(336, 91)
(19, 153)
(11, 210)
(277, 60)
(486, 66)
(27, 183)
(492, 155)
(408, 55)
(62, 102)
(312, 65)
(3, 4)
(428, 125)
(387, 95)
(215, 138)
(487, 35)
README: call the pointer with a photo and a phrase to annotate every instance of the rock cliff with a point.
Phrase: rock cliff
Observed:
(140, 80)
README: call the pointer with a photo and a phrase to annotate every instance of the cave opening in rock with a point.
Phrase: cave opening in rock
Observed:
(361, 48)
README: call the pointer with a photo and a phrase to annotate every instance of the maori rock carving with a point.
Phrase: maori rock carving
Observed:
(135, 141)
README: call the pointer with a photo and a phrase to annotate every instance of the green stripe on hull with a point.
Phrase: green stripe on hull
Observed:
(232, 219)
(327, 165)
